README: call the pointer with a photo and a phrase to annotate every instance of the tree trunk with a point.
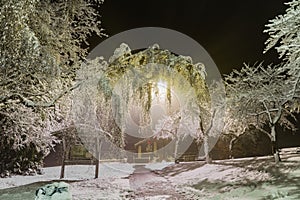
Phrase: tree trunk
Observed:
(176, 150)
(97, 158)
(274, 144)
(206, 149)
(230, 147)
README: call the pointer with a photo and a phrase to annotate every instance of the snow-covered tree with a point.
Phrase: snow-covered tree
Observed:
(168, 128)
(203, 123)
(177, 126)
(40, 50)
(92, 112)
(259, 97)
(284, 35)
(131, 80)
(212, 119)
(234, 125)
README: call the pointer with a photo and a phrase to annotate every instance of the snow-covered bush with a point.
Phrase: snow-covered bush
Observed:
(23, 141)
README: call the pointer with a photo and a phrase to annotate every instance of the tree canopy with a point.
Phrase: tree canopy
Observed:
(137, 76)
(284, 36)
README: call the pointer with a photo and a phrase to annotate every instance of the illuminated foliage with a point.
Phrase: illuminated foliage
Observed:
(40, 50)
(141, 71)
(131, 81)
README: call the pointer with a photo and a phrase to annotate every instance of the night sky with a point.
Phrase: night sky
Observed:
(231, 31)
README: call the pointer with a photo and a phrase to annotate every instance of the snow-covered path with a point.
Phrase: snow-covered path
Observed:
(150, 186)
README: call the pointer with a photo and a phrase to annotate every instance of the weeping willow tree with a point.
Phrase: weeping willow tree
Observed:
(131, 80)
(137, 75)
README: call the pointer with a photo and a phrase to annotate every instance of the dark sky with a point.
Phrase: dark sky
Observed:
(231, 31)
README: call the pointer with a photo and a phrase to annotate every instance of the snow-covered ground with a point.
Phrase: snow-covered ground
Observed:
(113, 182)
(158, 166)
(247, 178)
(72, 173)
(214, 172)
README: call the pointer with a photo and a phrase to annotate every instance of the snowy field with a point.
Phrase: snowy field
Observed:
(80, 178)
(72, 173)
(112, 180)
(243, 179)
